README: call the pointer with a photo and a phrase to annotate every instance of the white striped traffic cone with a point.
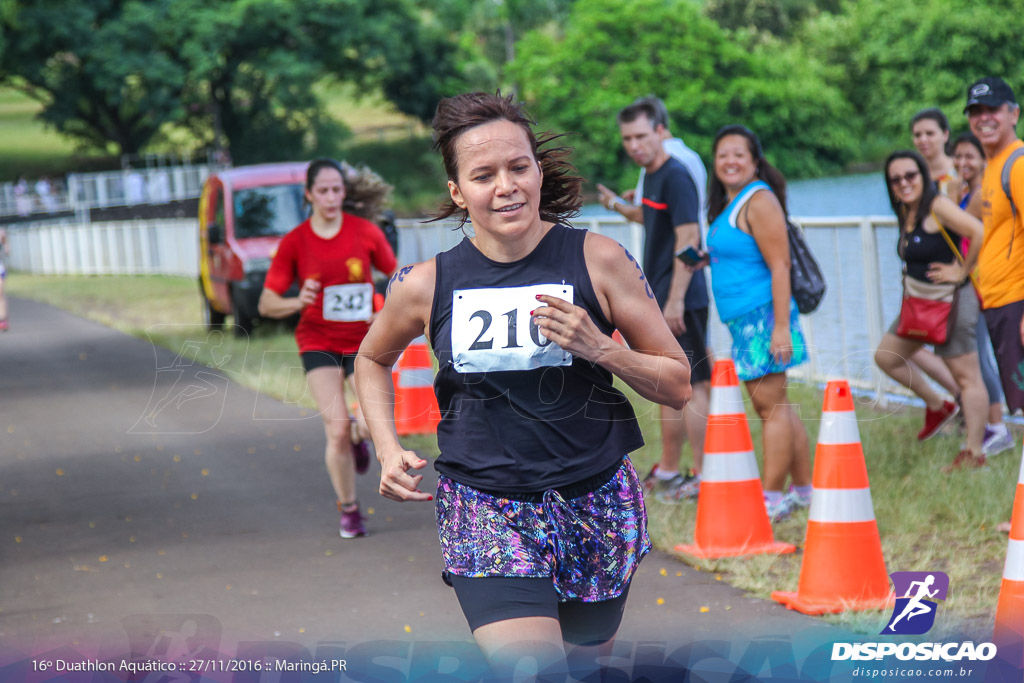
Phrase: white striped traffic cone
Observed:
(1009, 631)
(843, 567)
(416, 410)
(731, 517)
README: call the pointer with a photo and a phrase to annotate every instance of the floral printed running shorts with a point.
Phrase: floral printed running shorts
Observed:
(751, 341)
(588, 543)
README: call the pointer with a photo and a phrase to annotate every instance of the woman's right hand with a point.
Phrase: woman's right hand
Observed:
(309, 291)
(781, 345)
(395, 481)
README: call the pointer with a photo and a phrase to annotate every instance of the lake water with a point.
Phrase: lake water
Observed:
(853, 195)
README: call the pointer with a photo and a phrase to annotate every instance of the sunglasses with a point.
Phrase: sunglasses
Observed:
(907, 177)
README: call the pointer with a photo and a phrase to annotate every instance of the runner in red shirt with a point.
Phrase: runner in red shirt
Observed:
(331, 254)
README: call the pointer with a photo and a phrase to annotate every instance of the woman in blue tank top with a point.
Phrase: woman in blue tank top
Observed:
(749, 257)
(540, 514)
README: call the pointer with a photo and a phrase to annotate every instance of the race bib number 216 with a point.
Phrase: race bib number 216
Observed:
(492, 329)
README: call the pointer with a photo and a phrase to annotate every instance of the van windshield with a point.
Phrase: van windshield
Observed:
(267, 211)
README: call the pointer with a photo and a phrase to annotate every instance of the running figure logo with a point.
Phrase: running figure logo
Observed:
(914, 613)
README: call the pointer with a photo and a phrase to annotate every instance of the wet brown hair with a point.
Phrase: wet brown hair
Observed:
(366, 193)
(560, 190)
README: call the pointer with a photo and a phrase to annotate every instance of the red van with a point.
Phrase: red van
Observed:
(243, 214)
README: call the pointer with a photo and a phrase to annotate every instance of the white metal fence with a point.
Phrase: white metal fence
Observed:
(127, 187)
(136, 186)
(842, 335)
(164, 247)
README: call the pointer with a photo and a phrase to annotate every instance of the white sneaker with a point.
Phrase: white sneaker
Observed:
(782, 509)
(998, 441)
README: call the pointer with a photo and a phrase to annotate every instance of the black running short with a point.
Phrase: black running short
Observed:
(311, 360)
(694, 344)
(488, 599)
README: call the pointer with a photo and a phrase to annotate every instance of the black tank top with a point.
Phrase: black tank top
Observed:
(518, 414)
(922, 248)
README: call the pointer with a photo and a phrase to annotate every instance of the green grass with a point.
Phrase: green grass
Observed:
(29, 147)
(411, 166)
(927, 520)
(365, 113)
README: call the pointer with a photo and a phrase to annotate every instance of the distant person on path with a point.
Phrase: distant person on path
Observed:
(748, 251)
(930, 131)
(331, 255)
(671, 217)
(44, 191)
(993, 112)
(969, 160)
(922, 213)
(4, 250)
(22, 198)
(158, 187)
(134, 187)
(540, 514)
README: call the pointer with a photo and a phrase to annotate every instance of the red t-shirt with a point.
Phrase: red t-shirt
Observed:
(342, 265)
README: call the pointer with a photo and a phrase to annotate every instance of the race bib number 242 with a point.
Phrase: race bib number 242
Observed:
(492, 329)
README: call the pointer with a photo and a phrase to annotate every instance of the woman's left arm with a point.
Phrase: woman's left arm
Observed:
(767, 224)
(963, 224)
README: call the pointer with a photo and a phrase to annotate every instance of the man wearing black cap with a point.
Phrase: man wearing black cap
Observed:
(992, 112)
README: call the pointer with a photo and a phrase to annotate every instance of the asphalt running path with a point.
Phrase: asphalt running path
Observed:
(145, 502)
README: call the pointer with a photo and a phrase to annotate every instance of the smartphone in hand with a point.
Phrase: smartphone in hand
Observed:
(691, 255)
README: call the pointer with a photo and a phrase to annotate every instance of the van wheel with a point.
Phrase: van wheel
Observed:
(243, 323)
(212, 318)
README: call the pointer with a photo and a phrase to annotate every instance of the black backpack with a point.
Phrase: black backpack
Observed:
(806, 281)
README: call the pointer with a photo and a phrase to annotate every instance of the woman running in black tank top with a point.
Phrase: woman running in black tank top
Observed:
(536, 487)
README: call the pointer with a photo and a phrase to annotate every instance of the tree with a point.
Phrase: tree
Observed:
(775, 17)
(489, 31)
(897, 58)
(104, 70)
(239, 73)
(611, 52)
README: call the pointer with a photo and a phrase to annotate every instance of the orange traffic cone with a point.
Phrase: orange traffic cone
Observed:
(731, 517)
(1009, 631)
(843, 567)
(416, 410)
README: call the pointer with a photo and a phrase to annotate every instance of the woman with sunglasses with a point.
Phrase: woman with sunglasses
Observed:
(928, 256)
(748, 252)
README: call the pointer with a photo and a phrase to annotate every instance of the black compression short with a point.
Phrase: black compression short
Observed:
(496, 598)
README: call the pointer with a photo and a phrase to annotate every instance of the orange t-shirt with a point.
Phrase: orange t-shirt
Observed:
(1001, 279)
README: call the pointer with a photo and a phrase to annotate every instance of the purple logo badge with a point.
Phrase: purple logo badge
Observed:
(916, 593)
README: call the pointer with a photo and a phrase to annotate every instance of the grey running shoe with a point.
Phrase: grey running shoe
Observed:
(782, 509)
(798, 500)
(997, 441)
(683, 488)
